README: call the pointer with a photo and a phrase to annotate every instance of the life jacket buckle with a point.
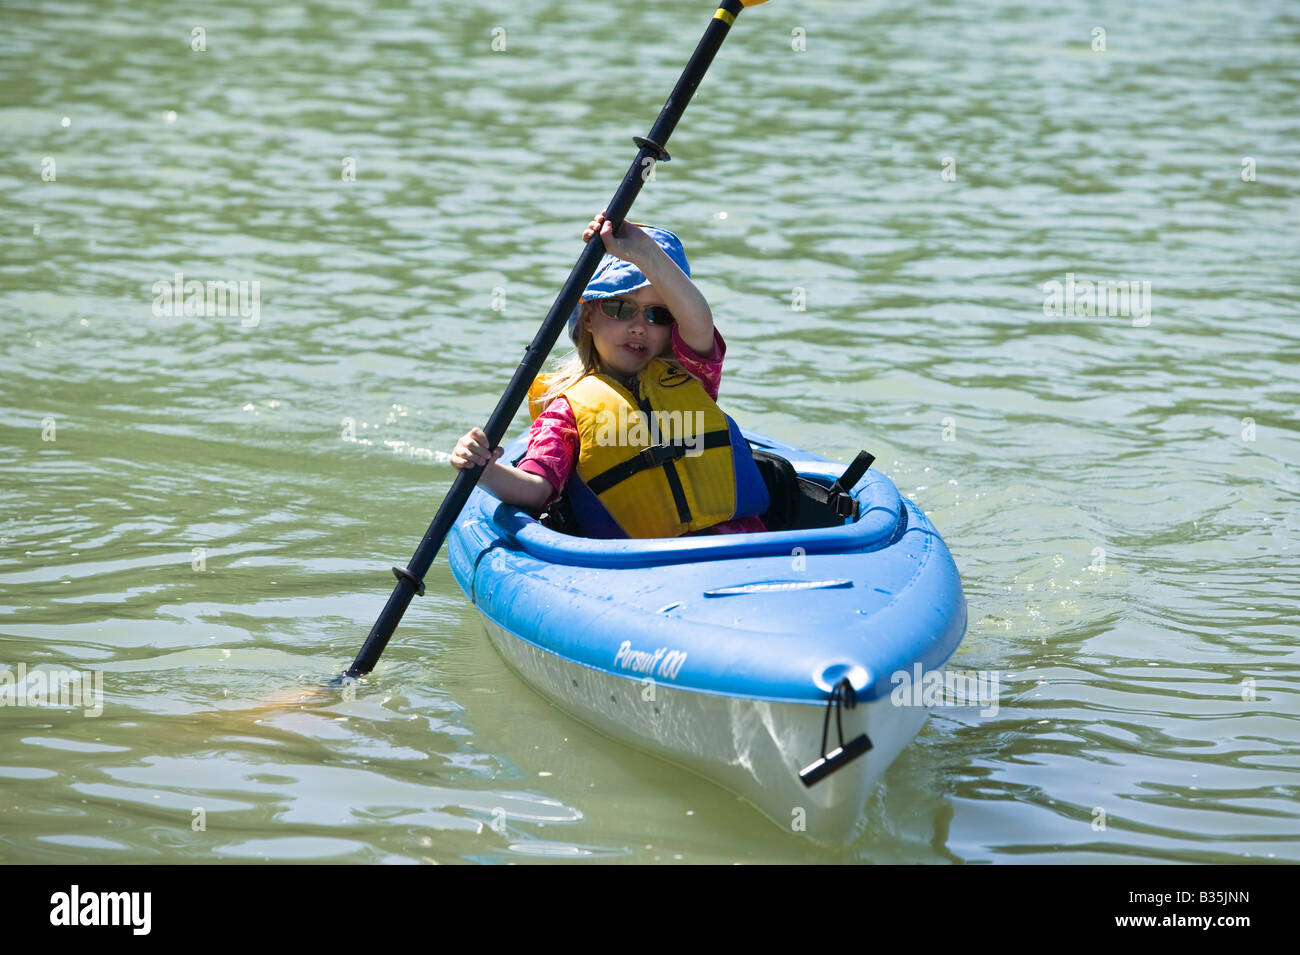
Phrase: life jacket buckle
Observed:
(657, 455)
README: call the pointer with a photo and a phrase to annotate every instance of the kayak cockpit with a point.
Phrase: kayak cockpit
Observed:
(810, 526)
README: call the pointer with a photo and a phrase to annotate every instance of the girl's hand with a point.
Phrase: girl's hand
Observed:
(628, 246)
(472, 450)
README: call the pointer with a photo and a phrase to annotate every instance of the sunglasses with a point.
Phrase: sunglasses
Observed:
(622, 310)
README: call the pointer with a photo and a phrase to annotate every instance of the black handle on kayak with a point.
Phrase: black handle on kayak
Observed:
(843, 696)
(410, 579)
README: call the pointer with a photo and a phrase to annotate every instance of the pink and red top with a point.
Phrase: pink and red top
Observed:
(553, 441)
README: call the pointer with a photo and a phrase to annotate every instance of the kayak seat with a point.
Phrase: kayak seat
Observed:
(796, 502)
(782, 490)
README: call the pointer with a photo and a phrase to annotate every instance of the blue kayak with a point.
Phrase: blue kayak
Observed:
(764, 662)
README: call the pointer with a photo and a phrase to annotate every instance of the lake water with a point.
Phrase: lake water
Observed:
(875, 199)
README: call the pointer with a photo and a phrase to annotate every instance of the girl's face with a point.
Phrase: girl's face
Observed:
(627, 345)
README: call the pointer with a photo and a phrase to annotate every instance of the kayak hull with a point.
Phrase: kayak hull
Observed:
(753, 748)
(719, 653)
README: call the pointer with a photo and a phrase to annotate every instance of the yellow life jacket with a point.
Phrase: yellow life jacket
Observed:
(661, 463)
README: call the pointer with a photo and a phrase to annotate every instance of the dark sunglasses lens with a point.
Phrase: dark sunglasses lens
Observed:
(621, 310)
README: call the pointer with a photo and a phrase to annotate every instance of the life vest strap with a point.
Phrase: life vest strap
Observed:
(655, 456)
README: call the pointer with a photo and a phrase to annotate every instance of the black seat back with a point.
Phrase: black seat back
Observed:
(782, 488)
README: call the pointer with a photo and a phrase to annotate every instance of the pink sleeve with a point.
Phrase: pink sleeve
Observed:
(707, 368)
(552, 445)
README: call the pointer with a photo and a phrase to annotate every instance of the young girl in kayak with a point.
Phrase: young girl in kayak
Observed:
(629, 426)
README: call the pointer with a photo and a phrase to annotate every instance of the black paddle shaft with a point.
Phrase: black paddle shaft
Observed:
(410, 580)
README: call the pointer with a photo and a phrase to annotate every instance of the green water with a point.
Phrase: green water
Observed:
(204, 508)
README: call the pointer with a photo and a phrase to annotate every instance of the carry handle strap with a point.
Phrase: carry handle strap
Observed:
(840, 498)
(853, 473)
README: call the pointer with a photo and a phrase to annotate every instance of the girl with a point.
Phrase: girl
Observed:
(629, 427)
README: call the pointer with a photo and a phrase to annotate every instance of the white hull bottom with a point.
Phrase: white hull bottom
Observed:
(753, 748)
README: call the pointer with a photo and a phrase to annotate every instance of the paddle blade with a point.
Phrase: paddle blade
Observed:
(292, 697)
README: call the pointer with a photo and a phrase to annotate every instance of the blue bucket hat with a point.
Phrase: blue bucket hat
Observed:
(615, 277)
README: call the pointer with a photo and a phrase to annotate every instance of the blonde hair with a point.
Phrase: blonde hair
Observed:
(584, 360)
